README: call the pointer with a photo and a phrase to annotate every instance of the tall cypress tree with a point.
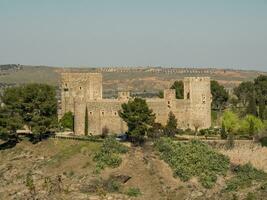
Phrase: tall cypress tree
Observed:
(86, 122)
(252, 106)
(262, 109)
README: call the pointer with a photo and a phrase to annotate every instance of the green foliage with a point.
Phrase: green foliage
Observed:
(160, 94)
(86, 122)
(133, 192)
(253, 96)
(179, 89)
(263, 141)
(156, 131)
(244, 91)
(34, 105)
(261, 90)
(245, 175)
(171, 126)
(251, 125)
(193, 158)
(30, 184)
(219, 96)
(230, 122)
(210, 131)
(252, 106)
(67, 121)
(108, 156)
(138, 117)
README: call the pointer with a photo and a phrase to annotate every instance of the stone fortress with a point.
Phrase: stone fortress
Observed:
(82, 92)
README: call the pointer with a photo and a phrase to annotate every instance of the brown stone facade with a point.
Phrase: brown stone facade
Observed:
(84, 90)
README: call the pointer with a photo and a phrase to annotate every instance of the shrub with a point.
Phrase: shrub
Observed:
(230, 122)
(251, 125)
(105, 132)
(108, 156)
(193, 158)
(67, 121)
(263, 141)
(156, 131)
(210, 132)
(133, 192)
(244, 176)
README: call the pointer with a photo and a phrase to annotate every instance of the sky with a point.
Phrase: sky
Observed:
(168, 33)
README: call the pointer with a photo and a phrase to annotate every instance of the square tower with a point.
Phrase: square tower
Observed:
(83, 85)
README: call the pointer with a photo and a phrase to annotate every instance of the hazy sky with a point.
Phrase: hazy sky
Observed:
(222, 33)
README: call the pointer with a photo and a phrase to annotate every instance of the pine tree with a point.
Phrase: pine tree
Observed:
(171, 126)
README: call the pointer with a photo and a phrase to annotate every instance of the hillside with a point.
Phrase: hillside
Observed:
(148, 79)
(64, 169)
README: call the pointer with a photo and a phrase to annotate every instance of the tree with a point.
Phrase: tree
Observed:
(244, 91)
(261, 90)
(230, 122)
(67, 121)
(138, 117)
(251, 125)
(9, 123)
(171, 126)
(33, 105)
(86, 122)
(252, 106)
(219, 96)
(179, 89)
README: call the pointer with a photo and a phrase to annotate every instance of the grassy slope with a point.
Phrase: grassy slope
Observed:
(72, 160)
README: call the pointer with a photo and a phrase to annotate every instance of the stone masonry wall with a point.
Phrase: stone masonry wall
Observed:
(81, 90)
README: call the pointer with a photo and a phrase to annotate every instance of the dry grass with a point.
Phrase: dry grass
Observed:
(250, 152)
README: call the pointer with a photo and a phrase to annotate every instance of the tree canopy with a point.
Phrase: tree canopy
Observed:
(253, 96)
(219, 96)
(138, 117)
(67, 121)
(33, 105)
(243, 92)
(171, 126)
(179, 89)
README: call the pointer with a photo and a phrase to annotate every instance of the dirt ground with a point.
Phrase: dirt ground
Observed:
(60, 169)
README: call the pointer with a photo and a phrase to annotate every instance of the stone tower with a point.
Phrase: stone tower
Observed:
(197, 92)
(87, 86)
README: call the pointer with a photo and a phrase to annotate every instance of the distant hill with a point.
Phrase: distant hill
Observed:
(136, 79)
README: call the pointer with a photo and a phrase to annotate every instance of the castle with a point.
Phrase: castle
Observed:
(82, 92)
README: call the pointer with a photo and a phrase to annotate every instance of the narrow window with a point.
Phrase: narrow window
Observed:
(102, 112)
(80, 88)
(188, 95)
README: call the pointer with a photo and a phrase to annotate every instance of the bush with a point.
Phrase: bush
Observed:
(133, 192)
(105, 132)
(263, 141)
(251, 125)
(244, 176)
(210, 132)
(156, 131)
(108, 156)
(67, 121)
(193, 158)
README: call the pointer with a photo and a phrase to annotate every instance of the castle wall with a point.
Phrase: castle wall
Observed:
(84, 90)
